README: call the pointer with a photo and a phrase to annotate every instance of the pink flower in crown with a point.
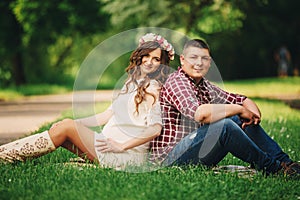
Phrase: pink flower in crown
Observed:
(161, 41)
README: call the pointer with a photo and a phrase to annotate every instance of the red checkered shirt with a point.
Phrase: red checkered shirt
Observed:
(179, 98)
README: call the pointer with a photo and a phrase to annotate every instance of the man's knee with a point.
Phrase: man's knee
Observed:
(225, 122)
(230, 123)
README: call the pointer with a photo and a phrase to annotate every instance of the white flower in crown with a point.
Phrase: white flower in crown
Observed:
(158, 37)
(165, 43)
(161, 41)
(146, 38)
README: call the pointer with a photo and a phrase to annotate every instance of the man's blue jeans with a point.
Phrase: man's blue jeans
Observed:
(210, 144)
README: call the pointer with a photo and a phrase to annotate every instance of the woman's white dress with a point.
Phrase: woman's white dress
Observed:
(126, 124)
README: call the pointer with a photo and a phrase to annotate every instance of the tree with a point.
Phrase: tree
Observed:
(250, 50)
(11, 66)
(35, 25)
(198, 18)
(191, 17)
(242, 34)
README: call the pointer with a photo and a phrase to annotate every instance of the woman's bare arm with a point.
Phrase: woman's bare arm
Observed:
(96, 120)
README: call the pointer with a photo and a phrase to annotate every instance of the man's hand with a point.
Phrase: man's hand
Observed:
(108, 145)
(249, 118)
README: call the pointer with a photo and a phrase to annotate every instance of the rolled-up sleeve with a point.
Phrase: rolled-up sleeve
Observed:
(181, 95)
(220, 96)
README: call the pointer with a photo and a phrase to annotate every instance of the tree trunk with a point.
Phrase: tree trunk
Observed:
(18, 69)
(17, 59)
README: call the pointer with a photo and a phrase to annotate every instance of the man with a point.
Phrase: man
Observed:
(202, 123)
(283, 58)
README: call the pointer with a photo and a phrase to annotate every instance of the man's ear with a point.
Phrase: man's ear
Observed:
(181, 59)
(210, 64)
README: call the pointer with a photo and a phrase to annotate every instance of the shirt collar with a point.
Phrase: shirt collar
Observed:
(180, 70)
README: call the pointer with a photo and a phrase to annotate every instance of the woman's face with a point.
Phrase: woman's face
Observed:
(150, 62)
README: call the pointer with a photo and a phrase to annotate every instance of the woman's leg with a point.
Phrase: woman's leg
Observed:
(32, 146)
(71, 147)
(67, 133)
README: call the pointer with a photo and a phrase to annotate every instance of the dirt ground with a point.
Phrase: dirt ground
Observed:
(22, 117)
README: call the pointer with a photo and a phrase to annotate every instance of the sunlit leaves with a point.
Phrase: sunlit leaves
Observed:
(221, 16)
(133, 13)
(208, 16)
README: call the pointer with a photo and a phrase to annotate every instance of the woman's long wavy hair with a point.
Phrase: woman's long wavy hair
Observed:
(134, 71)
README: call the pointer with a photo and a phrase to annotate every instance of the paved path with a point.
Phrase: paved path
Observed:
(24, 116)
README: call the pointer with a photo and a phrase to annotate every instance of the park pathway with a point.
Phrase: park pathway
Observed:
(22, 117)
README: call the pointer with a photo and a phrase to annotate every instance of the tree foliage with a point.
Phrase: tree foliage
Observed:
(243, 34)
(36, 25)
(198, 16)
(249, 51)
(39, 36)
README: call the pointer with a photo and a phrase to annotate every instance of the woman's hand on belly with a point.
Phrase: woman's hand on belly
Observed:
(109, 145)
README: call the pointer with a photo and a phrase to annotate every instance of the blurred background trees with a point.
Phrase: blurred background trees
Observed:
(37, 38)
(46, 41)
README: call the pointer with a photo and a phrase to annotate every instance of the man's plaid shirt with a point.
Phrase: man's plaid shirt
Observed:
(179, 98)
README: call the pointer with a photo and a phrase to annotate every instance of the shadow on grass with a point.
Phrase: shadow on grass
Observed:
(292, 103)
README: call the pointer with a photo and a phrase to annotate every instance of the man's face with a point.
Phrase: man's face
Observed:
(195, 62)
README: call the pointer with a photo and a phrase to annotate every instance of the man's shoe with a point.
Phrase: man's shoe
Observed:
(291, 169)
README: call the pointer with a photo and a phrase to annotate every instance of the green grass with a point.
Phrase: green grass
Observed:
(44, 181)
(49, 178)
(266, 87)
(13, 93)
(263, 87)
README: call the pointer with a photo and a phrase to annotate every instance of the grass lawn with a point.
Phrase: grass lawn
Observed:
(13, 93)
(266, 87)
(49, 177)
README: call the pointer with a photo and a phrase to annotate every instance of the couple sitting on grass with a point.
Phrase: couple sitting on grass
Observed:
(180, 118)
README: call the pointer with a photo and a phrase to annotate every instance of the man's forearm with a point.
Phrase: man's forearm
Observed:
(209, 113)
(250, 105)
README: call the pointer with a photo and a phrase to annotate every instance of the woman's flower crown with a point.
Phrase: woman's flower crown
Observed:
(161, 41)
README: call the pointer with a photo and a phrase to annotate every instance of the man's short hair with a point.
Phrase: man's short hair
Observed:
(196, 43)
